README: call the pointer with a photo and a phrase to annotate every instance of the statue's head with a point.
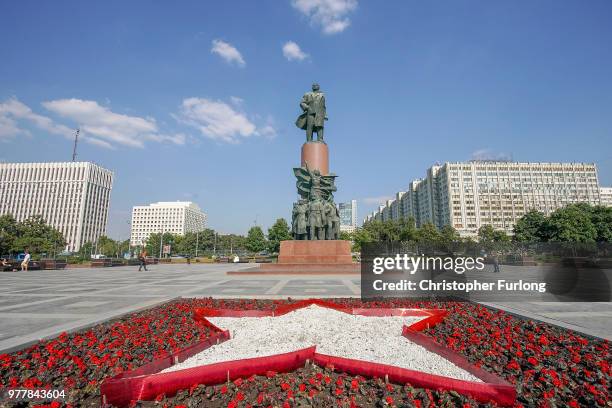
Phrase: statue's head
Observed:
(315, 87)
(316, 172)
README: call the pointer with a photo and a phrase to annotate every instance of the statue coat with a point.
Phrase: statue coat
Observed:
(313, 104)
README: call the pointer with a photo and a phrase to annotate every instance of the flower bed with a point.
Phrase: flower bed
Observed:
(544, 362)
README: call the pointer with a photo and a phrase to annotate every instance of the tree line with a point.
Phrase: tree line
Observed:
(574, 223)
(208, 241)
(33, 234)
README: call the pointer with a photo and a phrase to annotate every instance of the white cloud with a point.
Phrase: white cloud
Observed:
(108, 128)
(236, 100)
(228, 52)
(219, 121)
(12, 112)
(99, 125)
(376, 200)
(330, 15)
(488, 154)
(292, 51)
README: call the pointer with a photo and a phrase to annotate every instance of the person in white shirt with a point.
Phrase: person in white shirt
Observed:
(26, 261)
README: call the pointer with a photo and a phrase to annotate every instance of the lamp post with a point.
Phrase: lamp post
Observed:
(197, 242)
(161, 241)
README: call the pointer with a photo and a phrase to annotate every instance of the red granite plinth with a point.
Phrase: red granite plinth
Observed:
(335, 252)
(317, 156)
(309, 257)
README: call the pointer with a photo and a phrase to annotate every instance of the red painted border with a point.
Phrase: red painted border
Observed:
(147, 382)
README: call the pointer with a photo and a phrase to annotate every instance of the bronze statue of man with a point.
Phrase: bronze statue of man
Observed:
(330, 211)
(315, 220)
(315, 114)
(299, 224)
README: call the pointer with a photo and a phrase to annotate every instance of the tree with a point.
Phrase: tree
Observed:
(107, 246)
(277, 233)
(345, 236)
(231, 243)
(38, 237)
(428, 234)
(153, 244)
(572, 224)
(601, 217)
(8, 233)
(361, 236)
(407, 229)
(85, 251)
(256, 240)
(530, 227)
(486, 234)
(449, 236)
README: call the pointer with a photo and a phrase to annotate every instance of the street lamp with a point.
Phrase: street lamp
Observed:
(161, 241)
(197, 242)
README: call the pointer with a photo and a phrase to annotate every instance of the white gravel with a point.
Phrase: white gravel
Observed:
(375, 339)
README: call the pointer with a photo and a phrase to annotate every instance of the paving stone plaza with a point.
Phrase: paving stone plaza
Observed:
(41, 304)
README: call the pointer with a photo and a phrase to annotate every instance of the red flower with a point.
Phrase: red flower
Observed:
(513, 365)
(389, 400)
(532, 361)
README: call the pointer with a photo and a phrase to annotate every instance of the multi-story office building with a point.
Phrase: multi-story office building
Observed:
(605, 196)
(176, 217)
(469, 195)
(73, 197)
(348, 216)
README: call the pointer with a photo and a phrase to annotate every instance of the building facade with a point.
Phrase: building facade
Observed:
(605, 196)
(348, 216)
(72, 197)
(497, 193)
(176, 217)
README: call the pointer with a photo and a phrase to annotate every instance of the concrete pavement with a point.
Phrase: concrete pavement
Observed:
(42, 304)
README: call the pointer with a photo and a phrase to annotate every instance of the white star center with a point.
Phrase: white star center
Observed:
(374, 339)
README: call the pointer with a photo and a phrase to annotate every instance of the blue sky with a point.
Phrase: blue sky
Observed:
(197, 100)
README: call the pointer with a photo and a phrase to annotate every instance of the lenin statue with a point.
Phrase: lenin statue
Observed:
(314, 116)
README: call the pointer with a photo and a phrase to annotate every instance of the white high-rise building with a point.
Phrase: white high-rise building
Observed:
(497, 193)
(348, 216)
(605, 196)
(175, 217)
(73, 197)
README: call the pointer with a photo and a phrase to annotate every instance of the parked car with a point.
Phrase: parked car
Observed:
(98, 256)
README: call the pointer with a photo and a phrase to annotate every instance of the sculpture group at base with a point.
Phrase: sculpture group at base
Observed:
(315, 220)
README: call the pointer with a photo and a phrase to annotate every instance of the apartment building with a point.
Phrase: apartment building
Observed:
(468, 195)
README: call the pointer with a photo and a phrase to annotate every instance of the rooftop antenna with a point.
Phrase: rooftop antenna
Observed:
(76, 141)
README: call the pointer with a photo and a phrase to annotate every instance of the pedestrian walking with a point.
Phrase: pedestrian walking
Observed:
(26, 261)
(142, 257)
(495, 263)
